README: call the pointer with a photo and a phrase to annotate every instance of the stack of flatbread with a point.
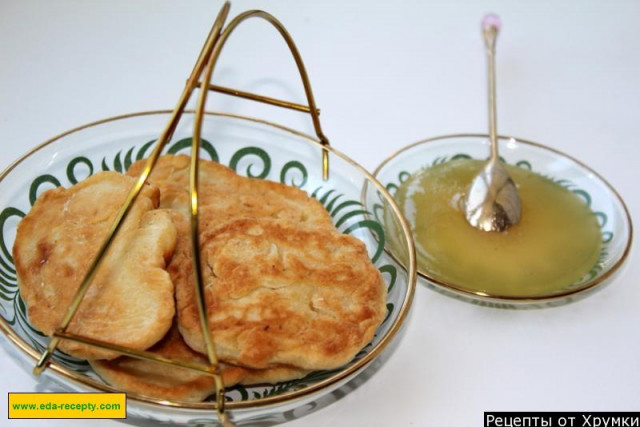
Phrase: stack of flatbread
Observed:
(286, 293)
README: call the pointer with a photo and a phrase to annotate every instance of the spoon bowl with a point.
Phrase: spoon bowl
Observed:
(492, 202)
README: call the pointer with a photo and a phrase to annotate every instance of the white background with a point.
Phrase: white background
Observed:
(385, 74)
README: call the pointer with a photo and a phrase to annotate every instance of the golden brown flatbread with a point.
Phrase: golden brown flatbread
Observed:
(283, 286)
(166, 382)
(130, 301)
(225, 195)
(282, 294)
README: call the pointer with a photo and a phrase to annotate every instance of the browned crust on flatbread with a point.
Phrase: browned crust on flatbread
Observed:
(224, 195)
(300, 294)
(281, 294)
(130, 301)
(165, 382)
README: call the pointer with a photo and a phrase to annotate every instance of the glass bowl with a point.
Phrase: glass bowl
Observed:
(253, 148)
(600, 196)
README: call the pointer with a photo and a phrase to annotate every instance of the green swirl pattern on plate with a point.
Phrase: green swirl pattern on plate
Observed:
(349, 216)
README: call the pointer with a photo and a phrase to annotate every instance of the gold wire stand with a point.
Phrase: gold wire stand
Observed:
(205, 63)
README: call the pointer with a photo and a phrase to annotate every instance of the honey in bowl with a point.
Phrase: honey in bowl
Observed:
(555, 244)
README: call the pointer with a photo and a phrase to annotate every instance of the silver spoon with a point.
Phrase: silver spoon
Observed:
(492, 202)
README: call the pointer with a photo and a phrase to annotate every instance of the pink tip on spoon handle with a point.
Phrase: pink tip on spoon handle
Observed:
(491, 20)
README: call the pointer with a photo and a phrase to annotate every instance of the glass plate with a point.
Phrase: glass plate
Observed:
(597, 193)
(253, 148)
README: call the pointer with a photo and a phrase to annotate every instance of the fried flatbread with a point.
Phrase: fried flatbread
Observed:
(225, 195)
(282, 294)
(166, 382)
(130, 301)
(282, 285)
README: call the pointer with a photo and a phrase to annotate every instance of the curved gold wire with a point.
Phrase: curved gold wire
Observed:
(205, 84)
(207, 334)
(133, 193)
(313, 110)
(166, 135)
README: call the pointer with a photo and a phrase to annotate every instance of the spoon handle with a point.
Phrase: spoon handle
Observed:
(490, 28)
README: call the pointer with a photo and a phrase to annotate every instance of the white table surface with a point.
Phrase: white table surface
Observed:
(385, 74)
